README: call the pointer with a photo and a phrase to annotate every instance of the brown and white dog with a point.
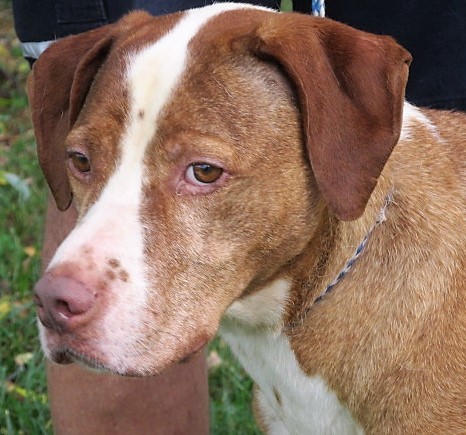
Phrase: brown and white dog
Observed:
(230, 164)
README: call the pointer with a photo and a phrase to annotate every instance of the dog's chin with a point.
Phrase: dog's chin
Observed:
(67, 355)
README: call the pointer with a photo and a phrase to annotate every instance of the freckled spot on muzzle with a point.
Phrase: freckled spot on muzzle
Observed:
(113, 263)
(116, 270)
(123, 275)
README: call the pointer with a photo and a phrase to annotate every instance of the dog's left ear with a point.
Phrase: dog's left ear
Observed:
(350, 86)
(57, 88)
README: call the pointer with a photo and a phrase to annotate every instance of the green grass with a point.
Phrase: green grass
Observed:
(23, 404)
(230, 393)
(23, 400)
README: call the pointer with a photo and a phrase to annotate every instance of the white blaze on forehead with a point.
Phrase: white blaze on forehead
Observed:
(156, 69)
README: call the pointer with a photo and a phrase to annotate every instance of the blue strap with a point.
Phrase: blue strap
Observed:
(318, 8)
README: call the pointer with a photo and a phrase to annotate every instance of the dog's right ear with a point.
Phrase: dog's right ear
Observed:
(57, 88)
(350, 88)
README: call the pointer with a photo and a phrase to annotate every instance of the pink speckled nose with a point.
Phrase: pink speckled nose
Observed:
(63, 303)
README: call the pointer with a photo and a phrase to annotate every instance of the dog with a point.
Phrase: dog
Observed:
(260, 174)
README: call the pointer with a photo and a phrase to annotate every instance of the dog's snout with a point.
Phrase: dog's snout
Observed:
(63, 303)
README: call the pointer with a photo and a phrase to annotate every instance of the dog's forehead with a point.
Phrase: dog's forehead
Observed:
(144, 71)
(154, 70)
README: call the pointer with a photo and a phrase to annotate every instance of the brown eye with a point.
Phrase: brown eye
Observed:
(80, 162)
(203, 173)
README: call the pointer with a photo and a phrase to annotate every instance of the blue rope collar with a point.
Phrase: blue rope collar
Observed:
(382, 217)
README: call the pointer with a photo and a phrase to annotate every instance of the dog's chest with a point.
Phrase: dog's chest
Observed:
(290, 402)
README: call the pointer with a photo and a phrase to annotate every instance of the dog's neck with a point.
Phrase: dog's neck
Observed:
(382, 217)
(334, 243)
(334, 249)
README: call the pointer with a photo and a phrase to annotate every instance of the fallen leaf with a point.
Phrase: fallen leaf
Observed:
(30, 251)
(5, 306)
(22, 393)
(23, 358)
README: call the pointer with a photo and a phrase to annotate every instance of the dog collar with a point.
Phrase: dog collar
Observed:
(381, 217)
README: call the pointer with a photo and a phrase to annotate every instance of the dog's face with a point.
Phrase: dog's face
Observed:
(188, 148)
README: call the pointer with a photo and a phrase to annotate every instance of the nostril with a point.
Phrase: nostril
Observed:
(71, 308)
(62, 308)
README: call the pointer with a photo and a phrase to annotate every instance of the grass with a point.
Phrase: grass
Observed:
(23, 403)
(23, 400)
(230, 391)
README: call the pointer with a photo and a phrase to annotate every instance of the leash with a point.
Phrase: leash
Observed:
(318, 8)
(381, 217)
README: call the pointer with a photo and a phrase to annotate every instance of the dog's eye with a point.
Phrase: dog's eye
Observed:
(79, 161)
(203, 173)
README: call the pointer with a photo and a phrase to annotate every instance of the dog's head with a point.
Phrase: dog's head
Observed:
(200, 150)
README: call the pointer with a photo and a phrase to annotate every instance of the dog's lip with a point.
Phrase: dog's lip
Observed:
(65, 354)
(68, 356)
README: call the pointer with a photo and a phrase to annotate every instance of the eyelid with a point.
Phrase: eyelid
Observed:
(72, 151)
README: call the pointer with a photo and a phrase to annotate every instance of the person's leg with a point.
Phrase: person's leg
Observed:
(85, 402)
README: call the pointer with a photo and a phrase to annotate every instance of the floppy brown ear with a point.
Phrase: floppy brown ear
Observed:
(350, 86)
(57, 88)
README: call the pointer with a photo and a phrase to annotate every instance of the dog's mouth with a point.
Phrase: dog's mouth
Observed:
(135, 357)
(68, 356)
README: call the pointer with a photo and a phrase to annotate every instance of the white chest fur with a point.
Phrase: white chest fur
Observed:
(290, 401)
